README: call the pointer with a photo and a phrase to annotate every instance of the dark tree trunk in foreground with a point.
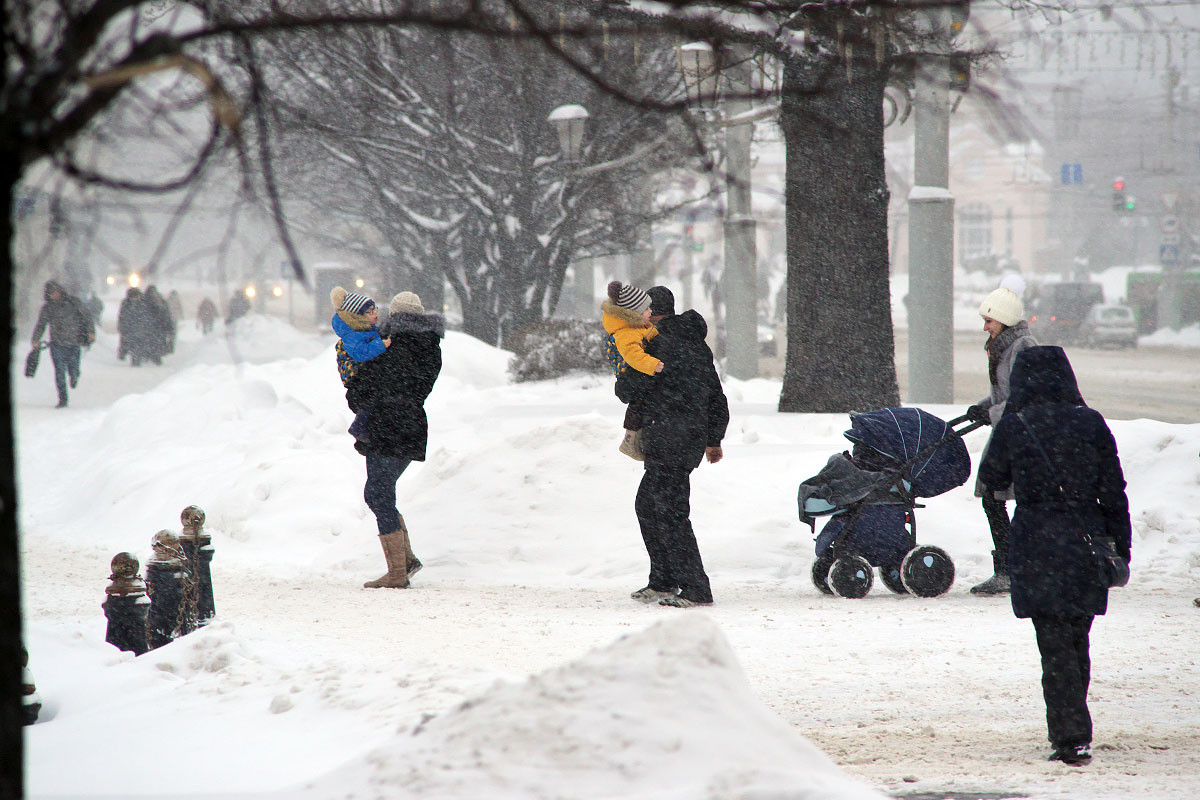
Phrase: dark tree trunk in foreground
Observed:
(840, 354)
(12, 748)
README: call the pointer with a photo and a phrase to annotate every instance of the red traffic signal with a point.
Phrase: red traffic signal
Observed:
(1118, 184)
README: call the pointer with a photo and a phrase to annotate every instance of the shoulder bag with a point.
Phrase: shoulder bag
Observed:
(1112, 569)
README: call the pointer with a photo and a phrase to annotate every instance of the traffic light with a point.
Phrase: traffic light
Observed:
(958, 12)
(960, 72)
(1118, 195)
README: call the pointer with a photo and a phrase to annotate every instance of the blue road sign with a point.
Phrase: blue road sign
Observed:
(1168, 254)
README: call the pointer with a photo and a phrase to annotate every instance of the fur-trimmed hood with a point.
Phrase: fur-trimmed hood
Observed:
(358, 322)
(617, 317)
(409, 322)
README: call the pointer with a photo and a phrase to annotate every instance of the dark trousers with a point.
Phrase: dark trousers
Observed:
(997, 517)
(633, 417)
(663, 507)
(66, 365)
(1066, 672)
(380, 490)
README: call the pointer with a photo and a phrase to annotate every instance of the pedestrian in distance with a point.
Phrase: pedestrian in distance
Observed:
(626, 320)
(161, 333)
(389, 392)
(206, 316)
(1060, 458)
(133, 324)
(175, 306)
(71, 329)
(1008, 336)
(95, 307)
(239, 306)
(684, 417)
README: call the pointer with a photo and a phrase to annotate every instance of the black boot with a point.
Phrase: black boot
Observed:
(998, 583)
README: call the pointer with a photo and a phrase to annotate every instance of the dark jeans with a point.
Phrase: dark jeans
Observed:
(997, 517)
(1066, 672)
(66, 365)
(633, 417)
(663, 507)
(380, 490)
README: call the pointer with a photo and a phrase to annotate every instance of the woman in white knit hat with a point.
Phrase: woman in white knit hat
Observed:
(1008, 335)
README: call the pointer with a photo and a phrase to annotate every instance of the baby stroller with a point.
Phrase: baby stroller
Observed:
(869, 494)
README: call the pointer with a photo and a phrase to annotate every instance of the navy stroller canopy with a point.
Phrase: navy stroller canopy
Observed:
(923, 447)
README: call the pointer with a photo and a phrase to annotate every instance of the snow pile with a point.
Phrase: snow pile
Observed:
(663, 714)
(523, 516)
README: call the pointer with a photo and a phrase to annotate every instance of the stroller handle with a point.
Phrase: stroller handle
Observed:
(966, 429)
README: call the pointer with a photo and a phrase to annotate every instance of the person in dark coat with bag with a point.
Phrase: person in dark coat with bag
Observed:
(1061, 460)
(71, 328)
(684, 417)
(389, 391)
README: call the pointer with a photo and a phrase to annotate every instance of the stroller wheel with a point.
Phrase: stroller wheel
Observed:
(890, 576)
(820, 572)
(927, 571)
(851, 576)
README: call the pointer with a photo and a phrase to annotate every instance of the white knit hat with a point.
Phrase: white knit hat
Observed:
(406, 303)
(1004, 306)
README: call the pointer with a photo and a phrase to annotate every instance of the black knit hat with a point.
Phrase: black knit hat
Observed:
(662, 302)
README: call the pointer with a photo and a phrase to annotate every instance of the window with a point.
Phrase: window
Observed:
(974, 232)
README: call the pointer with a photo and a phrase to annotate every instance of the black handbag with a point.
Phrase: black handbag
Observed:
(1112, 569)
(31, 360)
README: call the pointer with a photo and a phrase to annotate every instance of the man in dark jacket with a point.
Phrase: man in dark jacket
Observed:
(685, 415)
(390, 390)
(1061, 460)
(70, 328)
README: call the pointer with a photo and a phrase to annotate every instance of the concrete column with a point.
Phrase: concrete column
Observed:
(931, 242)
(740, 232)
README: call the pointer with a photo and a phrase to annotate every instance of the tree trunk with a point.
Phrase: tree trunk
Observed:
(840, 350)
(12, 747)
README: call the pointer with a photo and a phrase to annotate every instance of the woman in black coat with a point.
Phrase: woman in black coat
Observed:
(1076, 483)
(390, 390)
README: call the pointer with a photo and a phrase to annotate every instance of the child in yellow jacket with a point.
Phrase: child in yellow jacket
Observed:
(626, 320)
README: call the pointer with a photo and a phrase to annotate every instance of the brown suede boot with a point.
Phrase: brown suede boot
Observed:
(414, 563)
(395, 551)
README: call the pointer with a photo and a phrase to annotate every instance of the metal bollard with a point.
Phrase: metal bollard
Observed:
(126, 605)
(197, 545)
(31, 703)
(165, 576)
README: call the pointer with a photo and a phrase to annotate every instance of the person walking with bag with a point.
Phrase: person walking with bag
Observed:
(71, 328)
(1008, 336)
(389, 391)
(1061, 460)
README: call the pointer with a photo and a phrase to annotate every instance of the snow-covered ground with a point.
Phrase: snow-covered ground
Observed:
(517, 666)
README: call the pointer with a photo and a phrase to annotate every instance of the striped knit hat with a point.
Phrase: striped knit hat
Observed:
(352, 302)
(625, 296)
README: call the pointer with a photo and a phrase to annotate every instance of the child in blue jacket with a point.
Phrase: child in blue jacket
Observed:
(358, 340)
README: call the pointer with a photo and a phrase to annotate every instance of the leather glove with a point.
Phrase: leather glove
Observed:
(977, 413)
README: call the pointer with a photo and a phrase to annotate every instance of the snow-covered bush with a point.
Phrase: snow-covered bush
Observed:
(556, 347)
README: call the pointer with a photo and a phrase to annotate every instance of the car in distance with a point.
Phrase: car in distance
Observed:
(1109, 325)
(1058, 310)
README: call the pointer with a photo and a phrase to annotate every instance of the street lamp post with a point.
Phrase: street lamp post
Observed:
(701, 73)
(931, 221)
(570, 122)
